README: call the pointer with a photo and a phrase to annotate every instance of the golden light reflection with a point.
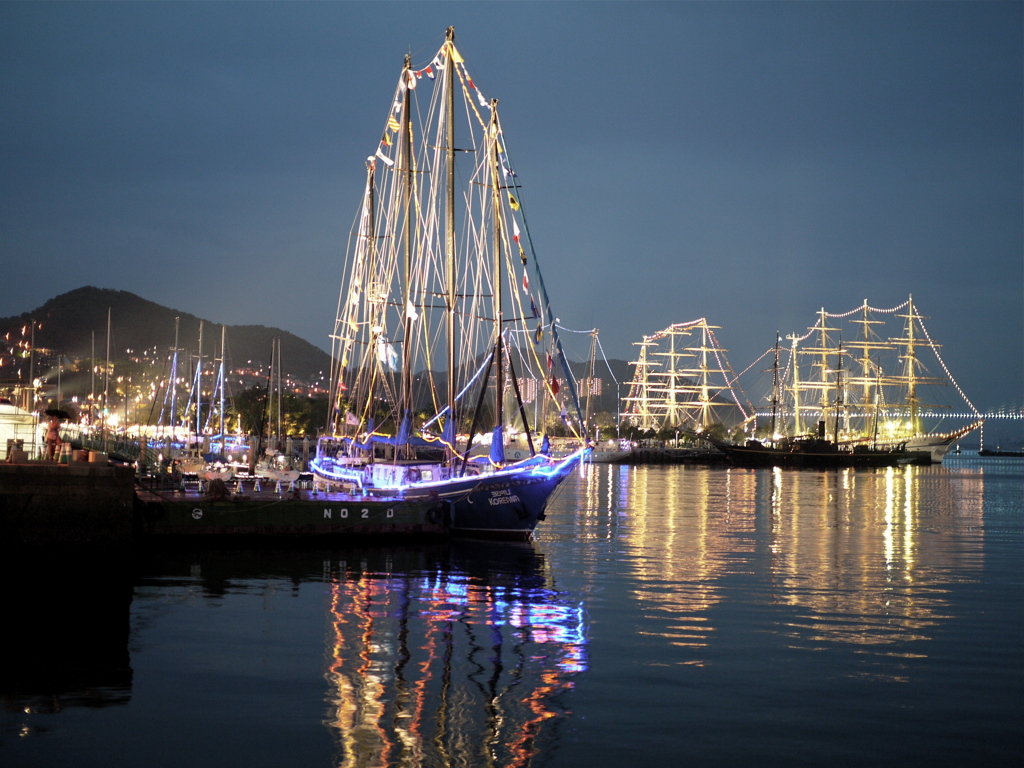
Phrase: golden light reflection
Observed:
(449, 668)
(863, 563)
(857, 557)
(683, 532)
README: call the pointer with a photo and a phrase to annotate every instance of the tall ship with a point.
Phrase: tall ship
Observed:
(873, 398)
(682, 381)
(443, 318)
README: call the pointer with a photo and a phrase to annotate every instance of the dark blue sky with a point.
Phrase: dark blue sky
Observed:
(745, 162)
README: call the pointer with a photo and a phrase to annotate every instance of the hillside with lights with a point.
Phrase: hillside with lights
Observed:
(73, 327)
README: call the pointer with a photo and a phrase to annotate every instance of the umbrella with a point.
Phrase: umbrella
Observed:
(60, 414)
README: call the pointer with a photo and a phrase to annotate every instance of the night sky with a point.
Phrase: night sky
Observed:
(745, 162)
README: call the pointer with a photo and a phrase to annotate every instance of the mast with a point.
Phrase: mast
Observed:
(449, 232)
(912, 378)
(704, 391)
(92, 384)
(822, 352)
(590, 379)
(869, 378)
(223, 333)
(106, 376)
(174, 381)
(199, 381)
(839, 390)
(280, 393)
(639, 395)
(499, 318)
(798, 425)
(672, 405)
(775, 389)
(405, 164)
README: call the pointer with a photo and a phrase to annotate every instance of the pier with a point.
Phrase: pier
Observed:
(79, 503)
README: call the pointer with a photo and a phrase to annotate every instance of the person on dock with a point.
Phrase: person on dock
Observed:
(53, 441)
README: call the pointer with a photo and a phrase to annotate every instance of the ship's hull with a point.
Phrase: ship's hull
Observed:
(507, 503)
(816, 455)
(937, 446)
(300, 515)
(609, 457)
(501, 507)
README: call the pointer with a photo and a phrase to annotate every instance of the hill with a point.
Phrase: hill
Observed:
(68, 324)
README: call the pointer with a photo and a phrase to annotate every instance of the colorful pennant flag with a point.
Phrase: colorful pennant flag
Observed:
(512, 201)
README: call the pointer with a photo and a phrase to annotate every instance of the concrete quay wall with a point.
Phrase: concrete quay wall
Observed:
(80, 503)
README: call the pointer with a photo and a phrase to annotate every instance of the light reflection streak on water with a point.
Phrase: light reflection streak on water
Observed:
(678, 549)
(864, 576)
(443, 669)
(849, 555)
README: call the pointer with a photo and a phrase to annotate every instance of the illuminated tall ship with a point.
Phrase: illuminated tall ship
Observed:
(443, 311)
(871, 396)
(682, 380)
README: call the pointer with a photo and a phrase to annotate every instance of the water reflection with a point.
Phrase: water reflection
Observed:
(67, 625)
(861, 563)
(854, 557)
(467, 664)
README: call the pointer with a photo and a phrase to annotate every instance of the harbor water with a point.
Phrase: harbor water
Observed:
(669, 615)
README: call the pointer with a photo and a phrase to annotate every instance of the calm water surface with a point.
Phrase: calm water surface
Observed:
(690, 616)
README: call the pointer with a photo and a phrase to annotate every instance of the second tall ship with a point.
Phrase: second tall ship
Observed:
(862, 402)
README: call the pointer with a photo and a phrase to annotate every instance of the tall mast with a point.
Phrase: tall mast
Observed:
(174, 380)
(106, 375)
(449, 225)
(775, 389)
(911, 367)
(223, 333)
(199, 382)
(277, 388)
(639, 395)
(869, 378)
(280, 393)
(798, 423)
(405, 164)
(92, 385)
(839, 389)
(590, 378)
(499, 319)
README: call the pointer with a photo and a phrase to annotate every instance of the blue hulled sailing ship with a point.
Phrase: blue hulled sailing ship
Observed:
(444, 332)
